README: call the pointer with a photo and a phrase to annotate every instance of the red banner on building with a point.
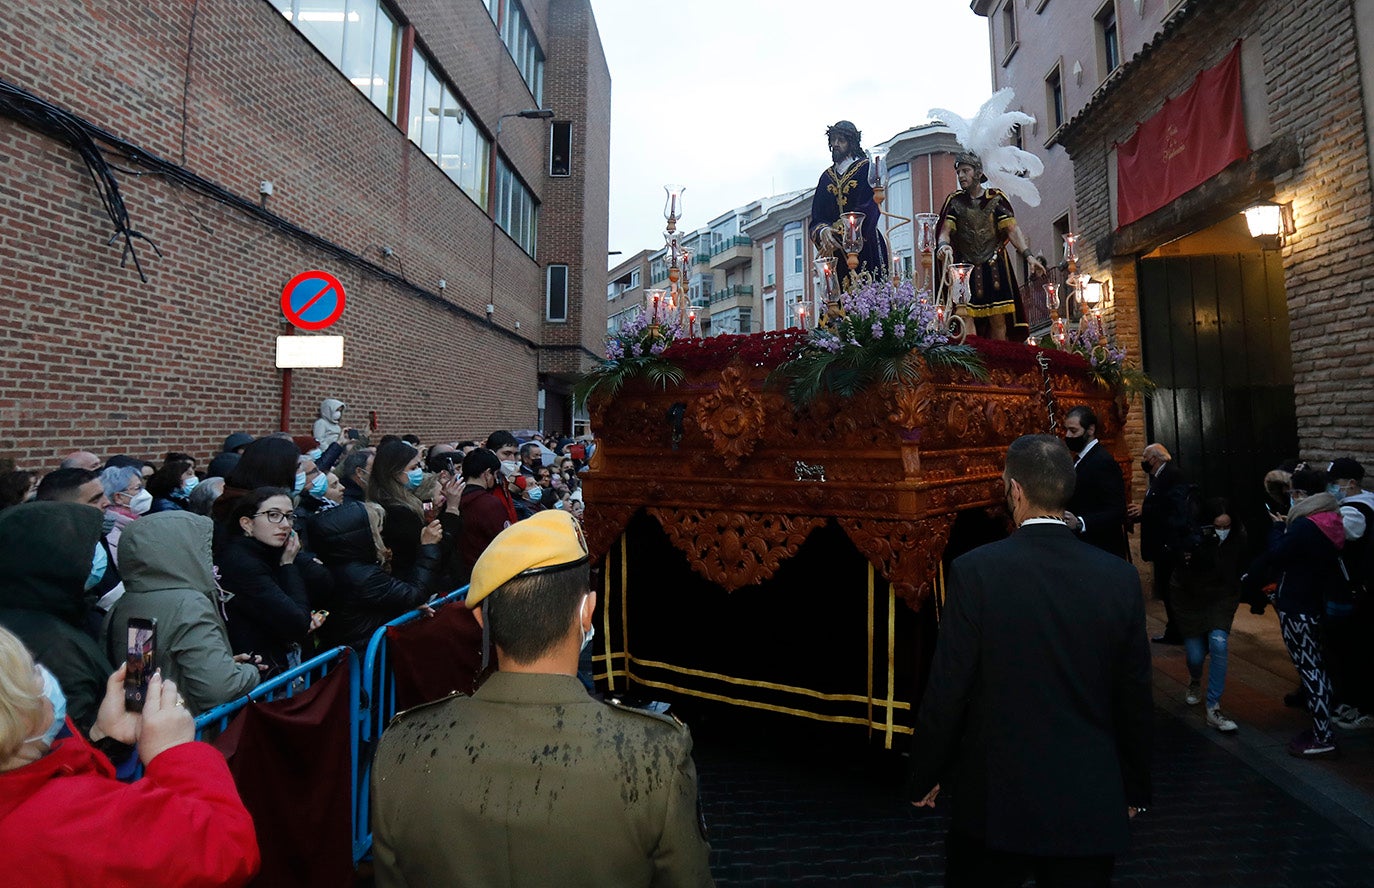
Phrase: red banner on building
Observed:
(1193, 137)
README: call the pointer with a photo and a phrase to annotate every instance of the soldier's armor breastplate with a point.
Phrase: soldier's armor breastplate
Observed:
(975, 232)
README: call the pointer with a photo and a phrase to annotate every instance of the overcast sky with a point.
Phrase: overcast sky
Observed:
(732, 97)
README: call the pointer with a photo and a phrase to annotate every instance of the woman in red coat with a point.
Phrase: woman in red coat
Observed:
(66, 820)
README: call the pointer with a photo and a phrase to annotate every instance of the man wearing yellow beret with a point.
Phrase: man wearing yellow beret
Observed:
(531, 783)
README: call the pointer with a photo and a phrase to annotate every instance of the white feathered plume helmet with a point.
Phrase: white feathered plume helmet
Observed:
(1005, 167)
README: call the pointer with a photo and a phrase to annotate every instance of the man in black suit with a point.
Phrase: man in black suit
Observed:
(1038, 711)
(1166, 523)
(1097, 510)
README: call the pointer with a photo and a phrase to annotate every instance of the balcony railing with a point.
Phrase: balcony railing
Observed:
(737, 290)
(730, 243)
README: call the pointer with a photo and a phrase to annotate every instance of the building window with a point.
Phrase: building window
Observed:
(1054, 99)
(770, 312)
(556, 293)
(1009, 42)
(1107, 39)
(516, 211)
(518, 36)
(360, 37)
(560, 148)
(770, 266)
(1061, 228)
(899, 197)
(441, 125)
(798, 258)
(634, 279)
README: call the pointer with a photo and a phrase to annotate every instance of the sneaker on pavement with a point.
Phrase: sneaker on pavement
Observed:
(1305, 746)
(1342, 709)
(1353, 720)
(1194, 695)
(1217, 719)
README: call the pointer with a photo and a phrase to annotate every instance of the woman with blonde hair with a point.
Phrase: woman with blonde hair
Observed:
(66, 820)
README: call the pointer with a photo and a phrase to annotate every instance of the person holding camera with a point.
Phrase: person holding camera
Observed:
(1205, 603)
(66, 820)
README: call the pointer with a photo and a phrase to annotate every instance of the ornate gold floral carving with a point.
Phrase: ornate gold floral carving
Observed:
(731, 417)
(735, 549)
(906, 553)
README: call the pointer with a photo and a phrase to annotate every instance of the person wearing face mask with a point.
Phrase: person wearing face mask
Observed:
(50, 559)
(396, 475)
(1205, 603)
(1303, 554)
(1097, 510)
(1166, 525)
(1038, 711)
(507, 450)
(66, 820)
(545, 742)
(128, 500)
(171, 485)
(484, 512)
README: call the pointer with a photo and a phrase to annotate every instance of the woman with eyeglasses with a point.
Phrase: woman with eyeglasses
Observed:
(268, 612)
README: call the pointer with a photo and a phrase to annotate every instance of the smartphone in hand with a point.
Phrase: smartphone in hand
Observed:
(139, 655)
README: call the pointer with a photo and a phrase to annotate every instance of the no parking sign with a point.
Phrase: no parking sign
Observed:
(312, 300)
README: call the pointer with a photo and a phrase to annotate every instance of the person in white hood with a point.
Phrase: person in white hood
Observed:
(329, 426)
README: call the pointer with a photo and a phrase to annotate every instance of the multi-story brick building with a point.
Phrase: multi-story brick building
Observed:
(377, 140)
(1257, 342)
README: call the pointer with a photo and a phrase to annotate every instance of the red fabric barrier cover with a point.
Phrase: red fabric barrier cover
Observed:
(1193, 137)
(434, 656)
(293, 767)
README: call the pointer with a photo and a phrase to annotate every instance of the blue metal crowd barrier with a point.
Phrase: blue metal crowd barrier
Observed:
(379, 686)
(286, 685)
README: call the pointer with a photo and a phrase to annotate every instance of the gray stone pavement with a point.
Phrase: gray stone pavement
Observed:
(789, 803)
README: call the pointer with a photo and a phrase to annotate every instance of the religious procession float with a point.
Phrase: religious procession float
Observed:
(773, 513)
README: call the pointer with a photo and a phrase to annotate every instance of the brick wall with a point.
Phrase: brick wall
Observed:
(1313, 93)
(97, 358)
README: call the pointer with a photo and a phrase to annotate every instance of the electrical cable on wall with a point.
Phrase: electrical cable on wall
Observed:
(31, 111)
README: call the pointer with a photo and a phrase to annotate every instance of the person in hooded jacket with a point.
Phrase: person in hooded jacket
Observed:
(50, 555)
(329, 426)
(66, 820)
(1304, 554)
(169, 577)
(349, 541)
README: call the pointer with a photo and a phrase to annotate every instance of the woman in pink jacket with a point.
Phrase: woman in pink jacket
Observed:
(66, 820)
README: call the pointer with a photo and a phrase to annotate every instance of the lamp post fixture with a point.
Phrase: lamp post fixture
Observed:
(528, 114)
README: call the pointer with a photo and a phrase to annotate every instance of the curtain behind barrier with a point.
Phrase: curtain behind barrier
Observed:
(434, 656)
(293, 765)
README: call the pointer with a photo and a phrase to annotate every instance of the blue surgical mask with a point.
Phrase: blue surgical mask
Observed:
(316, 453)
(1335, 490)
(414, 477)
(536, 494)
(52, 689)
(300, 484)
(99, 564)
(319, 485)
(189, 485)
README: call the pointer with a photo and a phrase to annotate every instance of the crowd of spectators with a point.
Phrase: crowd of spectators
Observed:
(248, 563)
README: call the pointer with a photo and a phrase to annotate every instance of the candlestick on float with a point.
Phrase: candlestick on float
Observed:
(829, 286)
(852, 238)
(801, 315)
(692, 322)
(925, 244)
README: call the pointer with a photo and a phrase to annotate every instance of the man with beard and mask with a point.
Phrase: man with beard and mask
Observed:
(1038, 711)
(1097, 510)
(1167, 528)
(843, 188)
(976, 224)
(567, 790)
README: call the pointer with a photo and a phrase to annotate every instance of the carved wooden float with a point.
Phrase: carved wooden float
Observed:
(758, 559)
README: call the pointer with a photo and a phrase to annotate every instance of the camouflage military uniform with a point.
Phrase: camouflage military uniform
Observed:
(530, 782)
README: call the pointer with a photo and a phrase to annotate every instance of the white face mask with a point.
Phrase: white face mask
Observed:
(1223, 533)
(141, 502)
(510, 468)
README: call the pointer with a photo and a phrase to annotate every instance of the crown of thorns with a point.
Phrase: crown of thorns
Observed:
(846, 129)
